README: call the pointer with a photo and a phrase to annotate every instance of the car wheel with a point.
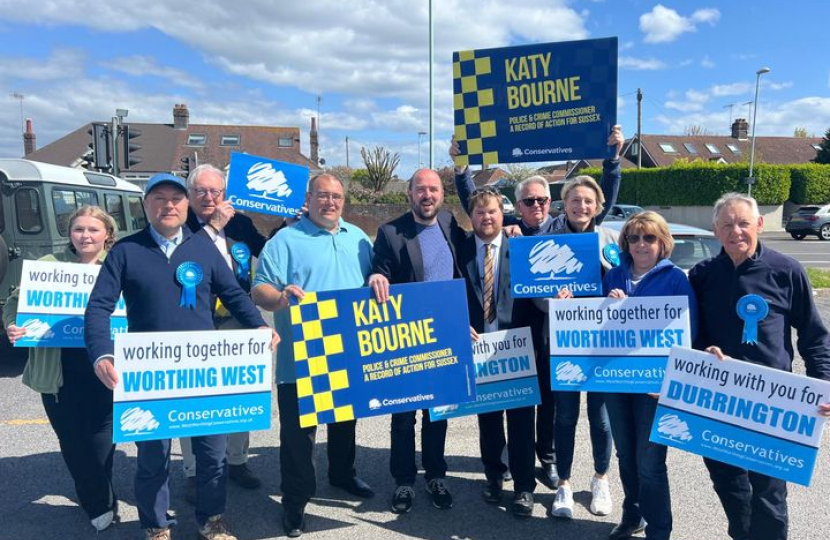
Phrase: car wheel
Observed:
(798, 236)
(824, 232)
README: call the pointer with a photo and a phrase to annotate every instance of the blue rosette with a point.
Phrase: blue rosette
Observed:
(189, 275)
(751, 308)
(611, 254)
(241, 253)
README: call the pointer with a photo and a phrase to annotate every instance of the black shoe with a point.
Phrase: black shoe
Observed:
(627, 530)
(402, 499)
(507, 477)
(549, 476)
(243, 476)
(439, 494)
(190, 490)
(492, 492)
(293, 521)
(355, 486)
(522, 504)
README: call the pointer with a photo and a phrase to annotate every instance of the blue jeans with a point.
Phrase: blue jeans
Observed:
(567, 415)
(642, 463)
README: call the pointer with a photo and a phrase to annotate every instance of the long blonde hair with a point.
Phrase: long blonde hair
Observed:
(98, 213)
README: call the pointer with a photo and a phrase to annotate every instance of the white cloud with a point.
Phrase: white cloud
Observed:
(733, 89)
(640, 64)
(707, 62)
(662, 24)
(61, 64)
(695, 101)
(138, 66)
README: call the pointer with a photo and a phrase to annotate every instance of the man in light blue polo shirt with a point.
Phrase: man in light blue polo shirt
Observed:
(321, 252)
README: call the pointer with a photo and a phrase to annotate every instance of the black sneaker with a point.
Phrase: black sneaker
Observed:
(402, 499)
(439, 494)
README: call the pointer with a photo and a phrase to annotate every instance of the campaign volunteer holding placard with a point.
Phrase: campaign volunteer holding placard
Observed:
(78, 406)
(750, 299)
(644, 270)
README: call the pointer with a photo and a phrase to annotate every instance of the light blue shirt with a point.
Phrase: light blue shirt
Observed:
(315, 260)
(167, 245)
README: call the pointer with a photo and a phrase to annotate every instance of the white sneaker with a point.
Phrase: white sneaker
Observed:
(563, 504)
(600, 496)
(103, 521)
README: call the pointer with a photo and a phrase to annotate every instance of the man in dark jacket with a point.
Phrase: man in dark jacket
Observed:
(747, 271)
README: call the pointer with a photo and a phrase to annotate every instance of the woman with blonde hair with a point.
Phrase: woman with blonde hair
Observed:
(79, 407)
(644, 270)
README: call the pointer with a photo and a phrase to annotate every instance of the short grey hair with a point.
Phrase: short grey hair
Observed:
(202, 169)
(532, 180)
(728, 199)
(316, 177)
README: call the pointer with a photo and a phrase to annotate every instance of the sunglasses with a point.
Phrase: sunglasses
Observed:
(530, 201)
(635, 238)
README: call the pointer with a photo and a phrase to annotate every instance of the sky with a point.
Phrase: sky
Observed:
(365, 64)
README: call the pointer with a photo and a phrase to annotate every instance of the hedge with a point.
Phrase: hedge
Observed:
(700, 184)
(810, 184)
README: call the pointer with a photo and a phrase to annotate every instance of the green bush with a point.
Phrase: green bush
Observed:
(700, 184)
(810, 184)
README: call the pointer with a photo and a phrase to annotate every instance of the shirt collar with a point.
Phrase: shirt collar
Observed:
(161, 240)
(496, 243)
(310, 227)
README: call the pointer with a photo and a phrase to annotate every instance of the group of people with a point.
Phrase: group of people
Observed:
(191, 224)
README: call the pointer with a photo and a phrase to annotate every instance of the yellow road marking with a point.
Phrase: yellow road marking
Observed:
(24, 422)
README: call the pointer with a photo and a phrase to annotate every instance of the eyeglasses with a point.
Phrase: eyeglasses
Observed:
(204, 192)
(635, 238)
(324, 196)
(530, 201)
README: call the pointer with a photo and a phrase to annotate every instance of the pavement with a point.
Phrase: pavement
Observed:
(36, 491)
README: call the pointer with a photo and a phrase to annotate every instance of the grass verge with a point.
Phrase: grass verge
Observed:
(819, 279)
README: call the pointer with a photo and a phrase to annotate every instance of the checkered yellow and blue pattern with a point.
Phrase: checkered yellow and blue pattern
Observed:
(322, 377)
(476, 138)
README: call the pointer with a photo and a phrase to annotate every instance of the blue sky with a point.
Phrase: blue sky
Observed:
(265, 62)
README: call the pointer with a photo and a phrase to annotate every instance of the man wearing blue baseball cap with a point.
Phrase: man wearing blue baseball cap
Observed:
(147, 268)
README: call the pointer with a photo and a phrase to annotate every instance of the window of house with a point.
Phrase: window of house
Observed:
(65, 202)
(690, 148)
(27, 206)
(712, 148)
(734, 149)
(115, 207)
(137, 215)
(286, 142)
(667, 148)
(229, 140)
(196, 139)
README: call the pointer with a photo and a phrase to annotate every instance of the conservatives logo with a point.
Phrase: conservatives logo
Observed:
(37, 329)
(670, 426)
(137, 421)
(374, 404)
(517, 152)
(272, 183)
(549, 260)
(568, 373)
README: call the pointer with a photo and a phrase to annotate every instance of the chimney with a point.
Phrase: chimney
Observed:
(29, 141)
(315, 144)
(740, 129)
(181, 117)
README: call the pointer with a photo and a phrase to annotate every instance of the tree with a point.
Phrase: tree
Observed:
(380, 166)
(695, 130)
(518, 172)
(823, 153)
(447, 175)
(801, 133)
(342, 172)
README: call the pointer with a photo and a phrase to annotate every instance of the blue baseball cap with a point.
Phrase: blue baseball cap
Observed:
(165, 179)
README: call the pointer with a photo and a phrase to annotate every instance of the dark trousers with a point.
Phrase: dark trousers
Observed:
(81, 415)
(567, 415)
(755, 504)
(152, 490)
(402, 459)
(519, 446)
(642, 463)
(545, 413)
(298, 477)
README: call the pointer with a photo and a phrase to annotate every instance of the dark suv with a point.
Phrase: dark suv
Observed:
(813, 220)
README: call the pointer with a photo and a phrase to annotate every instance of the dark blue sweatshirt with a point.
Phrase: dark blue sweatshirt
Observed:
(137, 266)
(783, 283)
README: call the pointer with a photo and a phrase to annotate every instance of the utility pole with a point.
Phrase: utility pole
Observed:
(347, 152)
(431, 85)
(730, 114)
(639, 128)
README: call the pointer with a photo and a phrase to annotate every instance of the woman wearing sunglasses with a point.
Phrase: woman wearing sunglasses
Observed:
(583, 202)
(644, 270)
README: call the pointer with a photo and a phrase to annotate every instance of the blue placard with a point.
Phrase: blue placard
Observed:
(543, 102)
(505, 375)
(356, 358)
(63, 331)
(266, 186)
(541, 265)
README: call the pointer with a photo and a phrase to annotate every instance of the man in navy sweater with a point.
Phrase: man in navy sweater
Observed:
(143, 267)
(746, 271)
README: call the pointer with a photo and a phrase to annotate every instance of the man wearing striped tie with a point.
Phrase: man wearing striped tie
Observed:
(483, 258)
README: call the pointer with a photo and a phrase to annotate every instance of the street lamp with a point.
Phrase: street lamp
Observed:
(751, 179)
(420, 134)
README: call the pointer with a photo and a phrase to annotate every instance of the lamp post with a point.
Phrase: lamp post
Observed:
(751, 178)
(420, 134)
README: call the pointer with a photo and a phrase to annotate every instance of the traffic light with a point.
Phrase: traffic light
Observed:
(101, 146)
(130, 148)
(187, 165)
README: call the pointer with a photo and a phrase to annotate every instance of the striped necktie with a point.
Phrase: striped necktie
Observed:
(489, 309)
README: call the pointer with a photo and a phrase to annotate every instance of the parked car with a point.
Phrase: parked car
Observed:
(508, 206)
(812, 220)
(691, 245)
(618, 212)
